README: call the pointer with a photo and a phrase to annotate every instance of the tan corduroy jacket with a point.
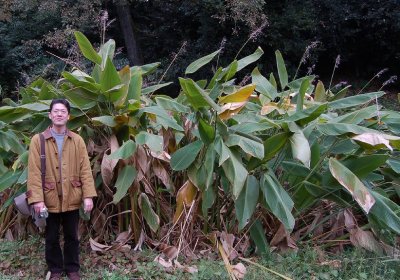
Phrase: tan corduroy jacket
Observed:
(67, 181)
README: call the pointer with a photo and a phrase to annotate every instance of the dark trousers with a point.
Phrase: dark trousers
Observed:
(54, 257)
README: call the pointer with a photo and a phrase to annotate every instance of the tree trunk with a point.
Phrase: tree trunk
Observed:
(126, 23)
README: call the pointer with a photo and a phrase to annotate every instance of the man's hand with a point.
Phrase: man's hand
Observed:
(38, 206)
(87, 204)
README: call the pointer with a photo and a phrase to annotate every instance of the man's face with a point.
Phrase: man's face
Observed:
(59, 114)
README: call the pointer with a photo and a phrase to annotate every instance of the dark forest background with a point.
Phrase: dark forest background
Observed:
(362, 36)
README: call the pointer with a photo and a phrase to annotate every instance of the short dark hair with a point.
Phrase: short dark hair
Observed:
(60, 101)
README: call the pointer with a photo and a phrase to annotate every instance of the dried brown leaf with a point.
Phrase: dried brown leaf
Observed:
(123, 237)
(227, 241)
(164, 263)
(283, 241)
(349, 220)
(108, 165)
(366, 240)
(171, 252)
(98, 247)
(164, 156)
(184, 197)
(142, 160)
(169, 141)
(162, 174)
(239, 270)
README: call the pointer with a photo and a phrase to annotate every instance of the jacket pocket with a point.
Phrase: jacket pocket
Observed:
(50, 194)
(75, 192)
(76, 183)
(49, 185)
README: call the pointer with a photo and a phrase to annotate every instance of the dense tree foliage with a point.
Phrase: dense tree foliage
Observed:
(364, 35)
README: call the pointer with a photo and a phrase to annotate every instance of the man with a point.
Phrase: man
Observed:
(68, 183)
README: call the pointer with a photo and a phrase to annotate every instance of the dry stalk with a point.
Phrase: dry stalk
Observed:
(184, 227)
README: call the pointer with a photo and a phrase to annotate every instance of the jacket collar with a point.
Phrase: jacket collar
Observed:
(47, 133)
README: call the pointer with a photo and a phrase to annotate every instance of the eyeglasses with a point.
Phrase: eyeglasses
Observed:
(63, 112)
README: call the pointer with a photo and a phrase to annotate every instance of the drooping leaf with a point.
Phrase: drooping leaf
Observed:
(243, 62)
(356, 100)
(207, 131)
(247, 201)
(295, 169)
(394, 164)
(171, 104)
(145, 69)
(282, 73)
(235, 172)
(193, 94)
(106, 120)
(8, 179)
(257, 234)
(230, 71)
(86, 48)
(241, 95)
(154, 142)
(385, 211)
(197, 64)
(208, 199)
(80, 79)
(185, 156)
(352, 184)
(81, 98)
(196, 94)
(300, 147)
(209, 163)
(125, 151)
(222, 150)
(263, 86)
(163, 118)
(251, 127)
(10, 114)
(10, 142)
(342, 93)
(308, 115)
(296, 84)
(148, 213)
(361, 166)
(153, 88)
(213, 83)
(335, 129)
(22, 160)
(274, 144)
(124, 181)
(357, 116)
(278, 201)
(372, 141)
(250, 146)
